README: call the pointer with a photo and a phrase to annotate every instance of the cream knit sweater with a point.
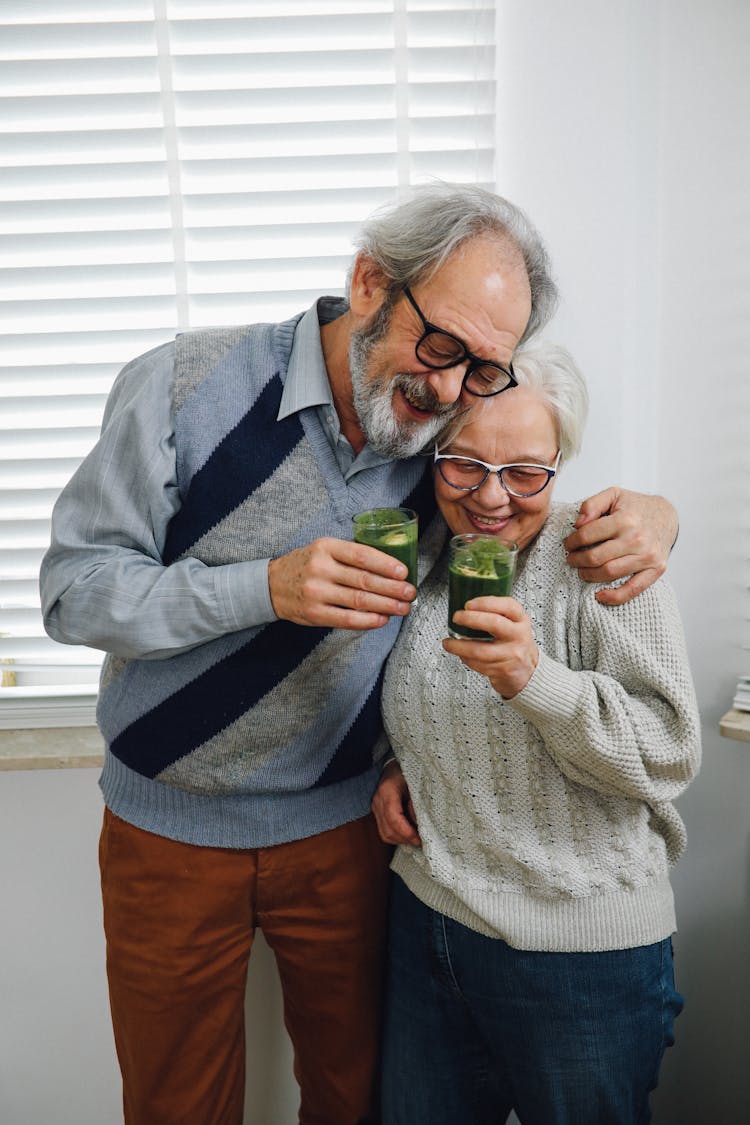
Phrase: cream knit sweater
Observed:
(547, 819)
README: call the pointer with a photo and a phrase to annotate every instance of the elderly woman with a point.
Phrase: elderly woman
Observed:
(530, 962)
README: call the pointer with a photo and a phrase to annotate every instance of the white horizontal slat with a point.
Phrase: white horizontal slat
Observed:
(89, 313)
(76, 251)
(20, 622)
(279, 36)
(241, 308)
(454, 99)
(456, 30)
(65, 147)
(462, 9)
(85, 181)
(474, 166)
(446, 65)
(35, 474)
(23, 535)
(49, 710)
(93, 283)
(28, 504)
(229, 9)
(271, 71)
(255, 207)
(55, 42)
(40, 445)
(27, 78)
(277, 242)
(318, 140)
(55, 412)
(18, 593)
(111, 213)
(449, 135)
(84, 347)
(282, 173)
(264, 277)
(44, 113)
(77, 11)
(44, 648)
(28, 682)
(26, 382)
(20, 563)
(266, 106)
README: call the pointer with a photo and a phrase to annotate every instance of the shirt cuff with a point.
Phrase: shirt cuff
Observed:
(244, 594)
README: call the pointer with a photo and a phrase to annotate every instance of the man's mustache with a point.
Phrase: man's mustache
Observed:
(423, 396)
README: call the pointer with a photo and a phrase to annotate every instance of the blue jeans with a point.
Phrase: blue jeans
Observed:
(475, 1028)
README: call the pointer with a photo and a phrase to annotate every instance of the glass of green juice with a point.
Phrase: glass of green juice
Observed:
(393, 530)
(478, 566)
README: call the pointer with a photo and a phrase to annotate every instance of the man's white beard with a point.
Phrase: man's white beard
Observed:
(373, 399)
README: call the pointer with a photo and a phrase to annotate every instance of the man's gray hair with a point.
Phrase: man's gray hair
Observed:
(551, 372)
(411, 239)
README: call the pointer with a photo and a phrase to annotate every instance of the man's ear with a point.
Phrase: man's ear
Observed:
(369, 287)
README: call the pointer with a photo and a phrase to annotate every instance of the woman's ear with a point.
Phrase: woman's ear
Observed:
(368, 288)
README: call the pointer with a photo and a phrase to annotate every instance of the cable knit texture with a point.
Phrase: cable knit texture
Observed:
(547, 820)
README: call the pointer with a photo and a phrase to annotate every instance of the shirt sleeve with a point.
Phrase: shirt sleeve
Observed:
(627, 724)
(102, 580)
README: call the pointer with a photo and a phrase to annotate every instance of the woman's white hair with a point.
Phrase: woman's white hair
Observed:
(551, 372)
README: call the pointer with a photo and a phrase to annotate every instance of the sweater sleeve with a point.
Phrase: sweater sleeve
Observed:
(627, 723)
(103, 582)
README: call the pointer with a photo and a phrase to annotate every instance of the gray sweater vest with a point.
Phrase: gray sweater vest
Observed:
(272, 733)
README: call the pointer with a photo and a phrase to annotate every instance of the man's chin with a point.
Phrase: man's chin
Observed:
(396, 427)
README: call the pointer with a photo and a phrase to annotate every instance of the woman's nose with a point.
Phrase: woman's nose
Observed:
(491, 493)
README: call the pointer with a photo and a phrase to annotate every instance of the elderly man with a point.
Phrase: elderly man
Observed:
(205, 546)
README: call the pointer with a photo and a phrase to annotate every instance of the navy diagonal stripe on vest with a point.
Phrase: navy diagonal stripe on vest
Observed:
(354, 753)
(248, 455)
(210, 703)
(422, 499)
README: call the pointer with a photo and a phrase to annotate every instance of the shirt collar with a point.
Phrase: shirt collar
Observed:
(306, 381)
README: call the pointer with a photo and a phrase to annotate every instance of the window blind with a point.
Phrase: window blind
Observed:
(170, 164)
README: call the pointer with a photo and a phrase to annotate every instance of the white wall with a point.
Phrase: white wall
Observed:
(623, 131)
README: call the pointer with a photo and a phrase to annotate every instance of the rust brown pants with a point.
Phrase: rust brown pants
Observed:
(179, 922)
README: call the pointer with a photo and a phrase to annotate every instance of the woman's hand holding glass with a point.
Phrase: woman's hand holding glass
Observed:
(509, 660)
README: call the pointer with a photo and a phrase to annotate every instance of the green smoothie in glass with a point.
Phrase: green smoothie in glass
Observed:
(393, 530)
(479, 566)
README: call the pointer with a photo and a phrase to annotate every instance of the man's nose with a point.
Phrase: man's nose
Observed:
(447, 383)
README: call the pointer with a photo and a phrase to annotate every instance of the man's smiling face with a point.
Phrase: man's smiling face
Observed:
(481, 296)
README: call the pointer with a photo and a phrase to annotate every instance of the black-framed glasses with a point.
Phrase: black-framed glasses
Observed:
(520, 479)
(439, 349)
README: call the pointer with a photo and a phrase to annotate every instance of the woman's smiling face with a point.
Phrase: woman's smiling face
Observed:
(516, 426)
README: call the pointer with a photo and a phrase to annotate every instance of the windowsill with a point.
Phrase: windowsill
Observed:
(46, 748)
(51, 748)
(736, 724)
